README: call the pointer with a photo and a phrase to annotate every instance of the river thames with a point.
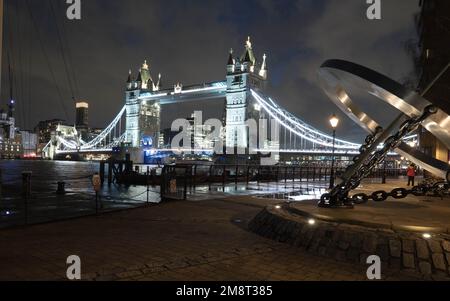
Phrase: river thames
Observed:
(45, 205)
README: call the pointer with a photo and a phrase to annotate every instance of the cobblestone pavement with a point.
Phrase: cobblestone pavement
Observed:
(204, 240)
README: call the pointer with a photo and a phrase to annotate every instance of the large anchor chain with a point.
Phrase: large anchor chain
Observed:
(369, 158)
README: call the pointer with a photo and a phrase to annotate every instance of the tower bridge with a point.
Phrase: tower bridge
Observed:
(243, 95)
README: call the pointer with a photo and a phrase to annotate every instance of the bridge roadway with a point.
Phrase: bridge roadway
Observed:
(212, 90)
(316, 152)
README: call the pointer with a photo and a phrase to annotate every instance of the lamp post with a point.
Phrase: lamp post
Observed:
(334, 121)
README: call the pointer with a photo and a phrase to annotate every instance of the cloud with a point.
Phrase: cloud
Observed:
(188, 42)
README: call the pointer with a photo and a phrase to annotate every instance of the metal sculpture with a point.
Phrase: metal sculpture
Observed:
(336, 77)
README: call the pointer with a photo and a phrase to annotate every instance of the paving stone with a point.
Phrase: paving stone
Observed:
(408, 261)
(326, 242)
(353, 255)
(337, 235)
(435, 246)
(422, 249)
(446, 245)
(340, 255)
(343, 245)
(128, 274)
(425, 268)
(439, 262)
(329, 233)
(383, 252)
(370, 243)
(347, 236)
(395, 263)
(356, 240)
(322, 251)
(106, 278)
(363, 258)
(90, 276)
(408, 245)
(395, 248)
(314, 245)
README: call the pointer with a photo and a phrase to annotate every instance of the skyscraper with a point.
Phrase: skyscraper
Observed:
(82, 118)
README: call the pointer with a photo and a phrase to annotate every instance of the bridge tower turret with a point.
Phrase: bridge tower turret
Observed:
(242, 74)
(132, 110)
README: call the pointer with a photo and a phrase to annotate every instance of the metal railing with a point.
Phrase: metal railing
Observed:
(27, 200)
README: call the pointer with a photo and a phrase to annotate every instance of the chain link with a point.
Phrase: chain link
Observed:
(439, 189)
(341, 192)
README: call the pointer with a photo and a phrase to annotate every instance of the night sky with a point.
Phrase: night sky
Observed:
(188, 42)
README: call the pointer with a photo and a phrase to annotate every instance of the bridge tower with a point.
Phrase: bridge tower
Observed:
(242, 74)
(142, 116)
(132, 110)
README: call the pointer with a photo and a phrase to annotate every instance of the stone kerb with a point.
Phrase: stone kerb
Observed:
(399, 250)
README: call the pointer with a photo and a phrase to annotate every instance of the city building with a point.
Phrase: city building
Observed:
(165, 137)
(434, 31)
(82, 119)
(11, 148)
(44, 131)
(45, 128)
(29, 143)
(199, 134)
(10, 143)
(7, 122)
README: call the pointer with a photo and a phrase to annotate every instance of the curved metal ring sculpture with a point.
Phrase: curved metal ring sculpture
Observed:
(333, 74)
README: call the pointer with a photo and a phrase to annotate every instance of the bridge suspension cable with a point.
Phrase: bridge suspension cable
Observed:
(299, 128)
(93, 143)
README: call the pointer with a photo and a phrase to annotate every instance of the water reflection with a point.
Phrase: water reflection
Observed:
(304, 194)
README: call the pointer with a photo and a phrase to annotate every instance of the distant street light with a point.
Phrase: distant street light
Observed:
(334, 121)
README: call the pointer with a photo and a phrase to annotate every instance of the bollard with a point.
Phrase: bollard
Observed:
(61, 188)
(247, 176)
(26, 191)
(285, 176)
(210, 178)
(259, 175)
(96, 183)
(195, 177)
(278, 174)
(148, 187)
(383, 180)
(236, 177)
(96, 202)
(185, 183)
(224, 174)
(293, 177)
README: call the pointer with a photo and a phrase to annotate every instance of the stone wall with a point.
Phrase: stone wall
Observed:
(403, 251)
